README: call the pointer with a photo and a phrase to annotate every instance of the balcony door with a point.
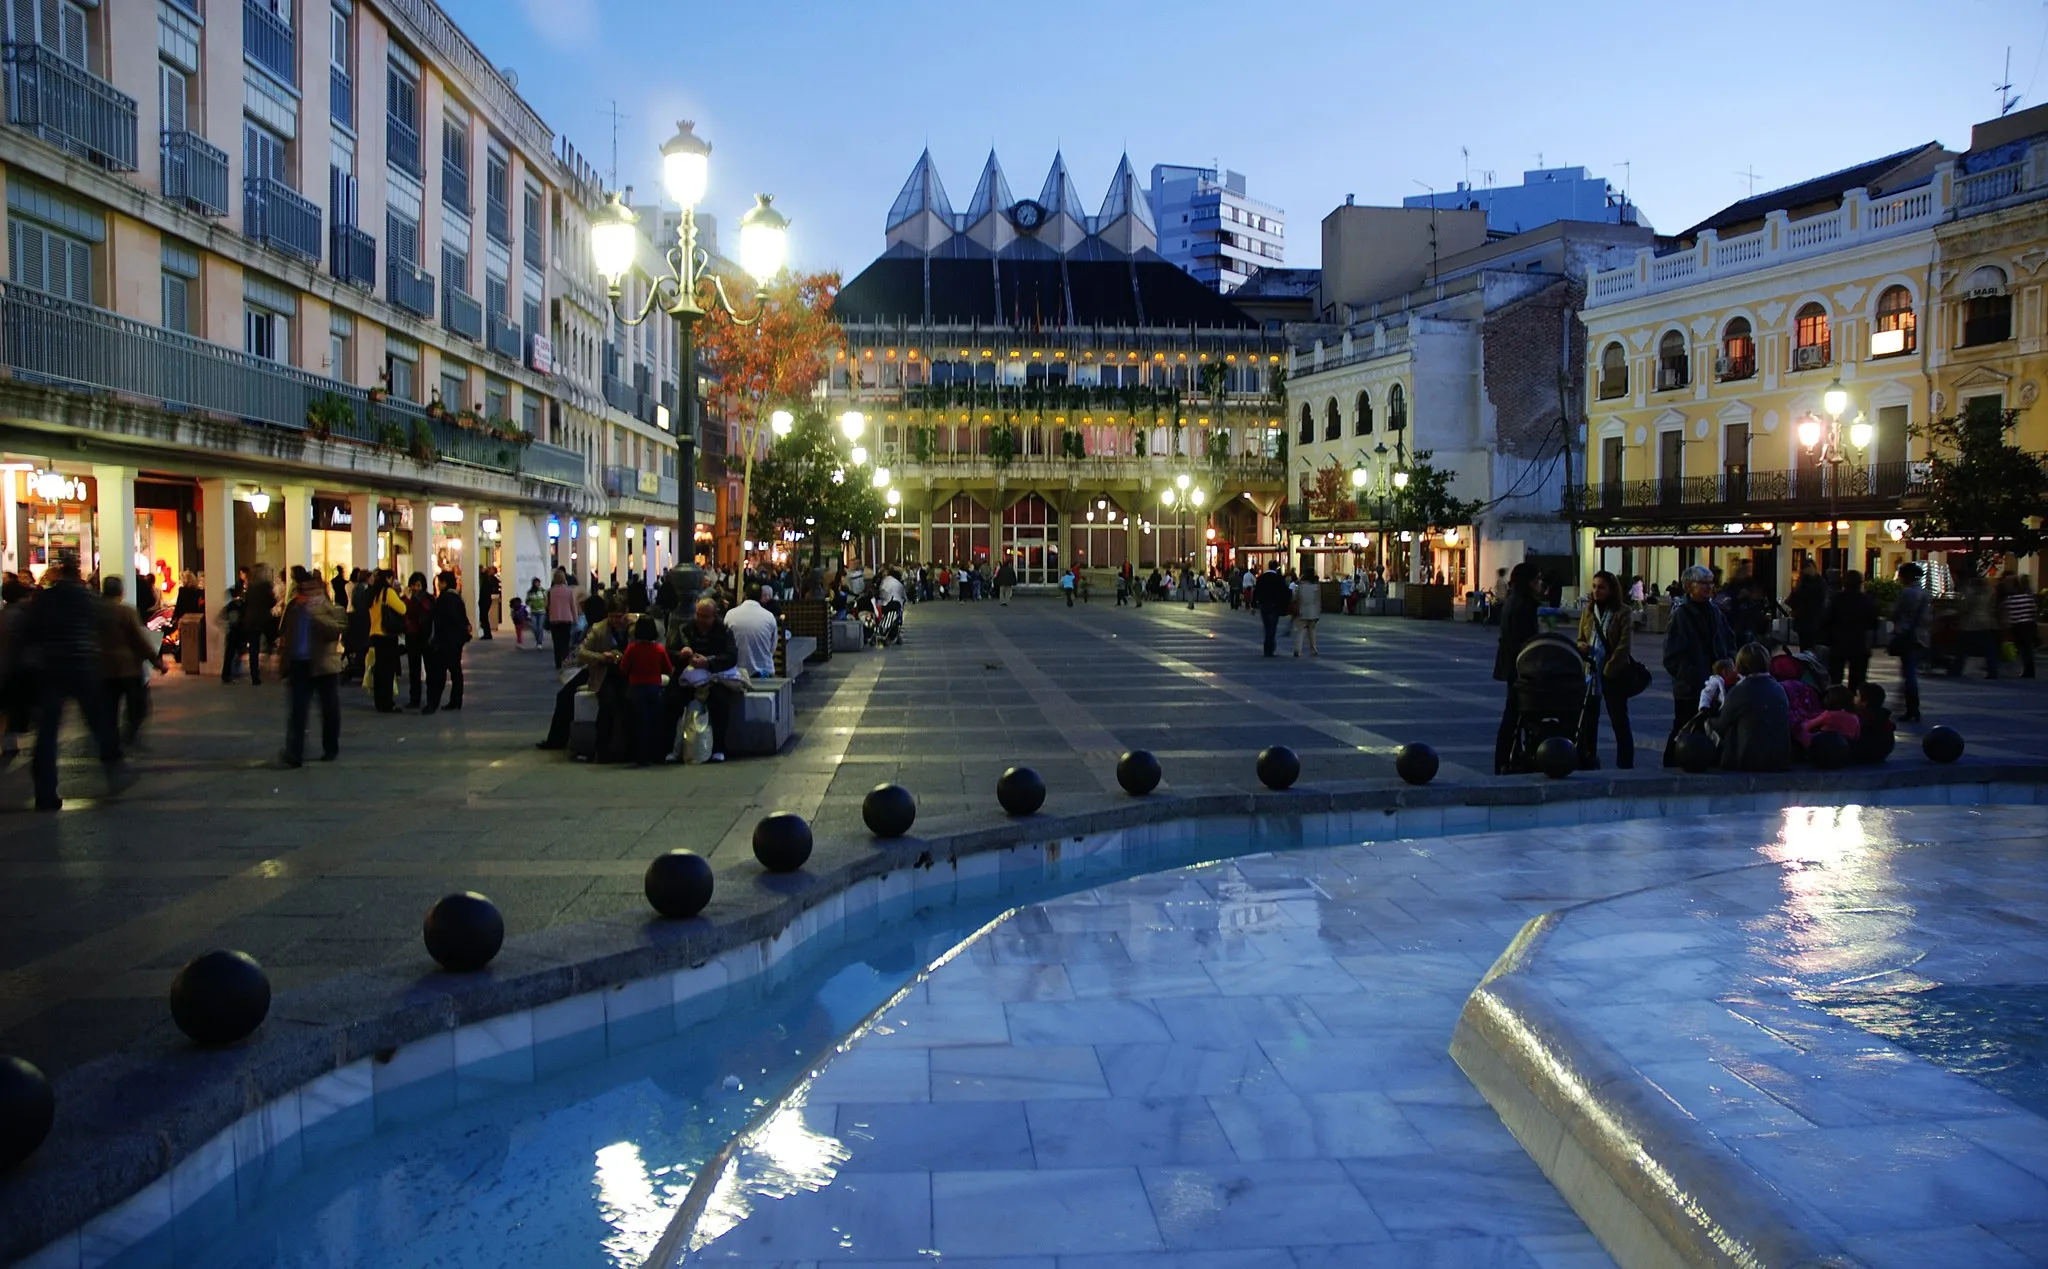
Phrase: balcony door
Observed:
(59, 27)
(1670, 465)
(1611, 450)
(1735, 463)
(264, 153)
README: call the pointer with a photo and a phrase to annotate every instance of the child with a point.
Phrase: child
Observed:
(1837, 714)
(519, 622)
(1876, 735)
(644, 662)
(1717, 686)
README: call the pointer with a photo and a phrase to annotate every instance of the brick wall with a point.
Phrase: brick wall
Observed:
(1523, 344)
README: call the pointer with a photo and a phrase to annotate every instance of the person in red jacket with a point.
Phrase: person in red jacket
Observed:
(645, 663)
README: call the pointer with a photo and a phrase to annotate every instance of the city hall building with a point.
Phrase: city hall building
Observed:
(1046, 389)
(342, 313)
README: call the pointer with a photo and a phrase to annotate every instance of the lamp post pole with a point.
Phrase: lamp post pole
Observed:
(1824, 442)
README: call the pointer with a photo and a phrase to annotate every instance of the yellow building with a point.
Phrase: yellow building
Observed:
(1754, 387)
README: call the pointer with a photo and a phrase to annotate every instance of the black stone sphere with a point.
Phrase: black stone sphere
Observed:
(678, 884)
(1829, 750)
(1416, 763)
(1279, 767)
(1557, 757)
(1942, 744)
(1697, 752)
(1021, 791)
(464, 931)
(220, 997)
(888, 810)
(782, 841)
(1138, 772)
(27, 1107)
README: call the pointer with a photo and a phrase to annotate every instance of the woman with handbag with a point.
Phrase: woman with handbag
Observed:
(1604, 631)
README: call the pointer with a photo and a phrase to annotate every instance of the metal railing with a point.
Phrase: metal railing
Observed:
(1204, 469)
(57, 342)
(267, 41)
(353, 256)
(534, 255)
(462, 314)
(69, 106)
(402, 145)
(409, 288)
(1739, 494)
(626, 482)
(619, 394)
(498, 221)
(504, 338)
(455, 185)
(277, 215)
(195, 173)
(341, 97)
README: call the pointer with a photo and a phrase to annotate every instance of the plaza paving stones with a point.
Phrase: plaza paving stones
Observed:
(1291, 1101)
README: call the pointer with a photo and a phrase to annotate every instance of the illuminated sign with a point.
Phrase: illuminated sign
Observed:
(1884, 343)
(50, 486)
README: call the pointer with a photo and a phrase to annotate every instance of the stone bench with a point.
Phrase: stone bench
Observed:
(794, 651)
(763, 719)
(848, 635)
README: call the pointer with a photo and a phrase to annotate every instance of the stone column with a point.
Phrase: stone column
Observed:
(470, 567)
(1858, 544)
(10, 550)
(113, 528)
(217, 543)
(601, 553)
(298, 532)
(362, 531)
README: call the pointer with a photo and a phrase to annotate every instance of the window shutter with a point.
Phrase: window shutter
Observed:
(171, 82)
(25, 247)
(71, 34)
(177, 308)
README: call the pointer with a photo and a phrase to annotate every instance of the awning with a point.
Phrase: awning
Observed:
(1606, 540)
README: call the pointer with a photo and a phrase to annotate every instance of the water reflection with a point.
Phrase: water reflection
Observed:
(1846, 917)
(630, 1203)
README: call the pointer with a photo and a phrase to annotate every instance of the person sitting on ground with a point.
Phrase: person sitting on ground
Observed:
(1875, 733)
(1755, 726)
(1795, 674)
(1838, 714)
(1717, 685)
(646, 665)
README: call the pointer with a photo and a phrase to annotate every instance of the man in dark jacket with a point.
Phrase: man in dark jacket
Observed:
(1518, 625)
(707, 657)
(1755, 722)
(1809, 602)
(444, 645)
(488, 588)
(1698, 637)
(1271, 597)
(1845, 628)
(62, 634)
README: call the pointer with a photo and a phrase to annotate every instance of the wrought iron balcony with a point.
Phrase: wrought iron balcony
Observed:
(630, 482)
(454, 185)
(353, 256)
(619, 394)
(69, 106)
(552, 463)
(462, 314)
(1849, 492)
(402, 146)
(409, 288)
(277, 215)
(533, 249)
(267, 41)
(498, 221)
(341, 97)
(504, 338)
(195, 173)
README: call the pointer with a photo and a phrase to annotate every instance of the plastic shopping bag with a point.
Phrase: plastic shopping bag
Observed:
(696, 733)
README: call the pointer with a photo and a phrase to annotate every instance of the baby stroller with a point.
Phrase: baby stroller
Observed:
(883, 623)
(1550, 696)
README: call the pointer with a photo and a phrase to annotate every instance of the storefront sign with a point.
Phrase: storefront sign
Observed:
(650, 482)
(542, 355)
(50, 486)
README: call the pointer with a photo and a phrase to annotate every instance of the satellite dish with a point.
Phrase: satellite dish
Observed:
(510, 76)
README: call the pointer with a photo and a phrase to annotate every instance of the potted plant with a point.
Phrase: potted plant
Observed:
(435, 410)
(1002, 444)
(421, 447)
(390, 436)
(326, 412)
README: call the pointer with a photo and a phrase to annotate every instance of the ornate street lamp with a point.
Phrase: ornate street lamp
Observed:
(1824, 443)
(685, 172)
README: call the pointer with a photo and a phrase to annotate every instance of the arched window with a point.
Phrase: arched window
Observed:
(1613, 371)
(1674, 363)
(1363, 425)
(1987, 307)
(1895, 333)
(1333, 422)
(1812, 345)
(1308, 425)
(1397, 409)
(1738, 351)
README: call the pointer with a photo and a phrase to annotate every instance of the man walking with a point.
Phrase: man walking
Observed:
(1270, 596)
(63, 629)
(444, 647)
(1006, 581)
(312, 667)
(487, 589)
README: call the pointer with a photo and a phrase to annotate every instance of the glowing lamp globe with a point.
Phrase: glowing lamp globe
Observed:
(1358, 477)
(881, 478)
(1181, 481)
(1861, 433)
(782, 422)
(1809, 431)
(895, 497)
(859, 456)
(685, 165)
(1166, 496)
(1835, 399)
(853, 422)
(764, 239)
(612, 232)
(1400, 480)
(1198, 496)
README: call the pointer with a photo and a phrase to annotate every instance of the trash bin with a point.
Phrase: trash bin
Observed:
(191, 642)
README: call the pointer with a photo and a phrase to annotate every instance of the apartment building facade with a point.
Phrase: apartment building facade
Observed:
(285, 286)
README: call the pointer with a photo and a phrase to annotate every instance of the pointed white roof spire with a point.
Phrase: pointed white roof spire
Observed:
(1058, 195)
(1125, 197)
(991, 192)
(922, 192)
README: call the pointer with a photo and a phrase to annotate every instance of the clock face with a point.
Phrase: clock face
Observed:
(1027, 215)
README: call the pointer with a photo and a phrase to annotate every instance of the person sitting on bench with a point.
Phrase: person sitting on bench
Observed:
(597, 655)
(705, 654)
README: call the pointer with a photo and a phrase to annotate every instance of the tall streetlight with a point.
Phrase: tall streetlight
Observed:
(1823, 441)
(764, 234)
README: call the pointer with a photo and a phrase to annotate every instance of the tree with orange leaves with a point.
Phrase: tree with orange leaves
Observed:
(770, 364)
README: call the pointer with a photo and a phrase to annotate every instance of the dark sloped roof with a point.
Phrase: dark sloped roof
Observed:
(1144, 290)
(1806, 193)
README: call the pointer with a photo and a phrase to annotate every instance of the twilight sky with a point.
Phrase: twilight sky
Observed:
(826, 104)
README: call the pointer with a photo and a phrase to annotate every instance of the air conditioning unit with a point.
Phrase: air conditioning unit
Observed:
(1812, 357)
(1733, 367)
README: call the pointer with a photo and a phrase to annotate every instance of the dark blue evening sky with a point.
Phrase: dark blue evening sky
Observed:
(827, 104)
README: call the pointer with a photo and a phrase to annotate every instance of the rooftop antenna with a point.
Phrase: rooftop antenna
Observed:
(1466, 151)
(1750, 174)
(1539, 158)
(2007, 98)
(1627, 171)
(615, 116)
(1432, 227)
